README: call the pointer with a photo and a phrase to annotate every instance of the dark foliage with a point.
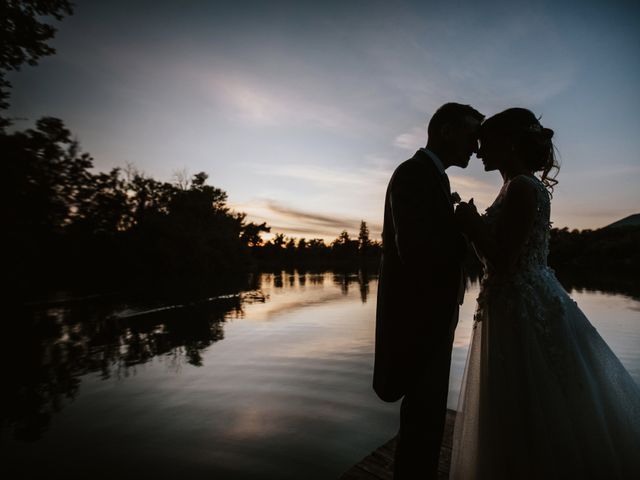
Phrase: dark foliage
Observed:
(614, 249)
(52, 349)
(24, 37)
(65, 224)
(68, 226)
(343, 252)
(54, 346)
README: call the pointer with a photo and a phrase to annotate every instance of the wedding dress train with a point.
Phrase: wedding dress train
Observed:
(543, 396)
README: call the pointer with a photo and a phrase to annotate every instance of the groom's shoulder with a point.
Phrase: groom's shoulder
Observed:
(415, 165)
(417, 161)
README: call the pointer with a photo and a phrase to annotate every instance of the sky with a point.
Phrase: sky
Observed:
(301, 110)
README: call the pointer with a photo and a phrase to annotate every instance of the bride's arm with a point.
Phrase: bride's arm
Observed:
(513, 225)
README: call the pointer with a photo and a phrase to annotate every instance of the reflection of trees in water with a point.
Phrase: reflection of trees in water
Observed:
(363, 281)
(36, 372)
(610, 281)
(346, 279)
(606, 281)
(342, 279)
(46, 352)
(316, 278)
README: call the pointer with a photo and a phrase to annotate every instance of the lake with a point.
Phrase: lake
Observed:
(270, 383)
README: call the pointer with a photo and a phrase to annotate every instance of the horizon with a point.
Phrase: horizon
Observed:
(301, 112)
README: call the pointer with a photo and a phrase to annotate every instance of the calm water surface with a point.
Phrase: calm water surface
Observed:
(273, 383)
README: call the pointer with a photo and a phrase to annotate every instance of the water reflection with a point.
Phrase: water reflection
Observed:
(345, 279)
(604, 281)
(287, 366)
(50, 348)
(47, 349)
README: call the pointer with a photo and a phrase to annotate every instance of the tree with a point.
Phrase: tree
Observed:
(317, 243)
(147, 196)
(106, 210)
(363, 238)
(24, 37)
(343, 238)
(278, 240)
(47, 178)
(343, 247)
(181, 179)
(251, 233)
(195, 236)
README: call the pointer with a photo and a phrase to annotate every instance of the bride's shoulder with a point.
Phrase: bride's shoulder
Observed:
(522, 185)
(521, 193)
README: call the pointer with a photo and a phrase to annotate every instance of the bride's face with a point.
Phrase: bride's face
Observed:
(493, 153)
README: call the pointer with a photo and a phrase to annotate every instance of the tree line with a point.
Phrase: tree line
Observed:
(65, 224)
(615, 249)
(64, 221)
(343, 251)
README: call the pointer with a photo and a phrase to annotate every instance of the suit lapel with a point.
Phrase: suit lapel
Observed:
(423, 157)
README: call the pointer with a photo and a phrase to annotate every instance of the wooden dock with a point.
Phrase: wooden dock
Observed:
(379, 464)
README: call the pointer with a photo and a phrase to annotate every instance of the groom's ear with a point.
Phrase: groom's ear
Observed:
(446, 132)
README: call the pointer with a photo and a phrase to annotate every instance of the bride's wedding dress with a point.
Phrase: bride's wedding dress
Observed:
(543, 396)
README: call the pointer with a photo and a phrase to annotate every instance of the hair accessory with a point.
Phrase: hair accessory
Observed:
(536, 127)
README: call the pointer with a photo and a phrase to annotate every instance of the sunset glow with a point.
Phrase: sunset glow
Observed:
(301, 111)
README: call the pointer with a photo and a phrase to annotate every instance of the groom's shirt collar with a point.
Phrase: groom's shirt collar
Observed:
(436, 161)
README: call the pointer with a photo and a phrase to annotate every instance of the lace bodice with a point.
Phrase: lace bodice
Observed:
(522, 288)
(536, 249)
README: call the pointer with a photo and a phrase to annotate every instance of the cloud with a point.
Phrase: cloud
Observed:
(327, 176)
(284, 104)
(483, 192)
(309, 217)
(411, 140)
(294, 221)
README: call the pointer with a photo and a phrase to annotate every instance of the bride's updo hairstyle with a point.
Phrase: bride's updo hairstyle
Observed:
(529, 140)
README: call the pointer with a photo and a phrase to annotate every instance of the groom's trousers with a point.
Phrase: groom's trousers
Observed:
(422, 418)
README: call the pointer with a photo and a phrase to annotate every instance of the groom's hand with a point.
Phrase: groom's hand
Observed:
(466, 216)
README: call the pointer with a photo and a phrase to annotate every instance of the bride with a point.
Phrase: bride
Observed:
(543, 396)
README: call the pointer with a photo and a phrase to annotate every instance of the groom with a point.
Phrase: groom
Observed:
(420, 288)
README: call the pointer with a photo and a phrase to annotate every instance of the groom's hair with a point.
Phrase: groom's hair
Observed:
(451, 113)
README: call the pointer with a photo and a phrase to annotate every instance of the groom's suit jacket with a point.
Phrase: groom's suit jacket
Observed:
(420, 278)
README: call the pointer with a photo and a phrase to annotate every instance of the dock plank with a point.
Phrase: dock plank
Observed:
(378, 465)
